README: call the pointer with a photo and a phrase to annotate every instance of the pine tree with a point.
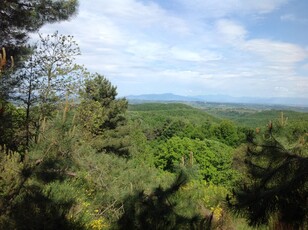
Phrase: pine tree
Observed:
(101, 113)
(46, 76)
(20, 17)
(277, 188)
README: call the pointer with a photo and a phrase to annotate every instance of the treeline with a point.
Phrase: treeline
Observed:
(75, 156)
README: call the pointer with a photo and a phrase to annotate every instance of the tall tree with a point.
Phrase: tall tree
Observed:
(101, 113)
(18, 19)
(100, 90)
(47, 75)
(54, 60)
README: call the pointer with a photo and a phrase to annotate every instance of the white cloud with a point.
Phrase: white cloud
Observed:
(187, 55)
(230, 31)
(132, 13)
(222, 8)
(144, 48)
(276, 52)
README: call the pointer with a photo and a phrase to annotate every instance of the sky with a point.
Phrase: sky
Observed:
(250, 48)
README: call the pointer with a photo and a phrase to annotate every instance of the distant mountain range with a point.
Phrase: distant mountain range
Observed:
(167, 97)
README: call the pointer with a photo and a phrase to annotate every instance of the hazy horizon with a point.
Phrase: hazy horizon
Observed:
(219, 98)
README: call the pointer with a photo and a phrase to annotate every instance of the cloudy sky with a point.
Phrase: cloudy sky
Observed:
(255, 48)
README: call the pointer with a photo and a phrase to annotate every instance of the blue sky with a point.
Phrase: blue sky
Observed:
(197, 47)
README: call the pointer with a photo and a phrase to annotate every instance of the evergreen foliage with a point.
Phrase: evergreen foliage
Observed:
(155, 211)
(100, 89)
(278, 186)
(23, 202)
(18, 18)
(103, 116)
(11, 127)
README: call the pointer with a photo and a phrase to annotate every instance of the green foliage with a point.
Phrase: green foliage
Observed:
(226, 132)
(91, 116)
(258, 117)
(208, 199)
(11, 127)
(278, 188)
(163, 121)
(66, 184)
(102, 116)
(11, 179)
(36, 211)
(159, 107)
(156, 115)
(156, 210)
(213, 158)
(99, 89)
(53, 59)
(24, 203)
(18, 18)
(173, 128)
(46, 75)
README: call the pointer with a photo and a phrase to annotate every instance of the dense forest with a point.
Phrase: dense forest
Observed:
(73, 155)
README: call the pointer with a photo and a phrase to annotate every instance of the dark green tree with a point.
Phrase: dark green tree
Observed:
(99, 89)
(277, 185)
(20, 17)
(26, 199)
(103, 115)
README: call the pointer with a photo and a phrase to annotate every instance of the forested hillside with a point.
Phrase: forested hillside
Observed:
(254, 117)
(74, 155)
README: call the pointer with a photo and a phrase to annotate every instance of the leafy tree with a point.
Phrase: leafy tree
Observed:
(172, 128)
(54, 66)
(47, 74)
(226, 132)
(213, 158)
(276, 186)
(100, 89)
